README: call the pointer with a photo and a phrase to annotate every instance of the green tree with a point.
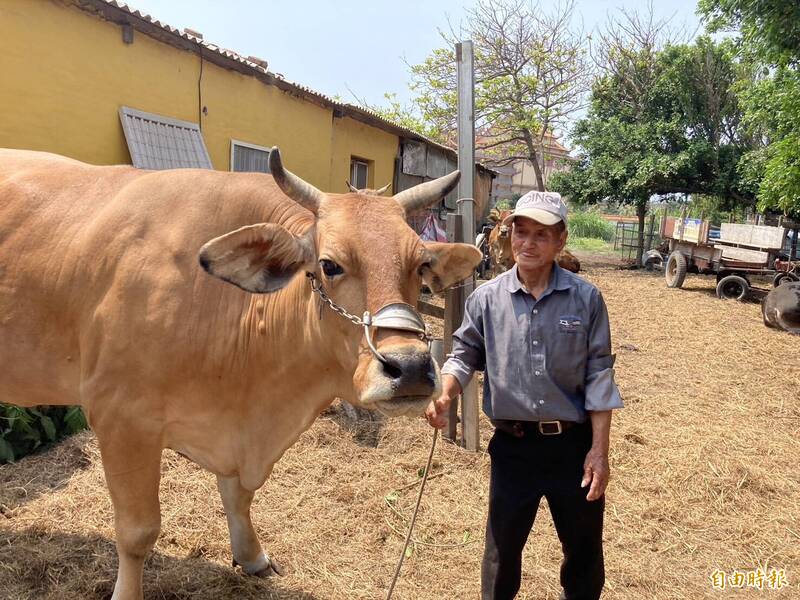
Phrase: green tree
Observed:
(531, 73)
(773, 108)
(662, 120)
(770, 38)
(770, 29)
(627, 140)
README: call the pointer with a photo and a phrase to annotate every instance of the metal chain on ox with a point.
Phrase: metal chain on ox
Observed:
(402, 317)
(366, 322)
(316, 287)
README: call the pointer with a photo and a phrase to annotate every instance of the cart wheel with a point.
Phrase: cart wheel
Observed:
(784, 278)
(733, 287)
(675, 272)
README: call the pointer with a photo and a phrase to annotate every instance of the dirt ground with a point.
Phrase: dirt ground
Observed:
(704, 463)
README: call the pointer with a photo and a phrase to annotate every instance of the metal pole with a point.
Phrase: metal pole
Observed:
(466, 193)
(453, 315)
(466, 136)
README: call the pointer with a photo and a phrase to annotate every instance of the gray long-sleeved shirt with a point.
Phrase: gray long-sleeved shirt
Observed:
(544, 359)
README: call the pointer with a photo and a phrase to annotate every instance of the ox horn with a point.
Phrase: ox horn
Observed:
(425, 194)
(352, 188)
(381, 191)
(302, 192)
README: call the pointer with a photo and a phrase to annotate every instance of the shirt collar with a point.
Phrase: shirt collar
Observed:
(559, 280)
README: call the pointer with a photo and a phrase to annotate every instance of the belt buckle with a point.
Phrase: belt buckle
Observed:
(556, 423)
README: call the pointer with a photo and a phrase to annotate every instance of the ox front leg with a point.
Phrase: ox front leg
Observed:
(246, 548)
(132, 468)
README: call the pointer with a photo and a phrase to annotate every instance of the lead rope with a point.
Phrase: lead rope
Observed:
(366, 323)
(413, 517)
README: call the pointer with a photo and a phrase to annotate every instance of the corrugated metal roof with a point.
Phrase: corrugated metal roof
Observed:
(157, 142)
(257, 69)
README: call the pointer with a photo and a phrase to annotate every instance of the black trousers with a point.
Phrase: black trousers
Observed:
(523, 470)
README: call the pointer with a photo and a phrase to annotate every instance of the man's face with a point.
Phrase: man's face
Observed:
(535, 245)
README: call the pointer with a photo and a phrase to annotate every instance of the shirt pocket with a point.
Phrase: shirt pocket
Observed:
(567, 355)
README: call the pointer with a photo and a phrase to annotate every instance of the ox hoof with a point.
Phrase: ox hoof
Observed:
(272, 567)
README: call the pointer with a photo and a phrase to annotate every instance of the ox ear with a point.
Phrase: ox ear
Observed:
(448, 264)
(259, 258)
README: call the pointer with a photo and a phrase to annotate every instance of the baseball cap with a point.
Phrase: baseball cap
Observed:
(545, 207)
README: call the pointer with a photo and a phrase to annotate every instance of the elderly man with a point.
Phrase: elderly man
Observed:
(541, 334)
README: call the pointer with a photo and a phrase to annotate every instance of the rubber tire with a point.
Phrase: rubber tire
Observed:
(675, 270)
(784, 278)
(730, 280)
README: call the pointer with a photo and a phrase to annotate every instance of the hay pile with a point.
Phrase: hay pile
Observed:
(704, 475)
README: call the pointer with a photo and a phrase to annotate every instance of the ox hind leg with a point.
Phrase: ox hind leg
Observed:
(246, 548)
(132, 465)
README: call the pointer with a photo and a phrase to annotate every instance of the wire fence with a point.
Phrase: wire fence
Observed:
(626, 237)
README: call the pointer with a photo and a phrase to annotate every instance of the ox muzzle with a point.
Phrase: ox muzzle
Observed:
(409, 378)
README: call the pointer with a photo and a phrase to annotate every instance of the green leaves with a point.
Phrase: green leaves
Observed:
(770, 29)
(769, 41)
(6, 451)
(530, 73)
(780, 187)
(661, 121)
(590, 224)
(24, 430)
(75, 420)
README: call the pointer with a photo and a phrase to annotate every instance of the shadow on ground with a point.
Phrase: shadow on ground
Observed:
(363, 425)
(756, 295)
(42, 472)
(37, 564)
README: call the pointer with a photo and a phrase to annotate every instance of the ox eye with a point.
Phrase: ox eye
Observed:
(330, 268)
(422, 268)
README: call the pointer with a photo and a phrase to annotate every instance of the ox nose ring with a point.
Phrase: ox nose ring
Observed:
(397, 315)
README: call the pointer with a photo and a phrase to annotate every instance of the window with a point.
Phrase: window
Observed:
(359, 173)
(157, 142)
(249, 157)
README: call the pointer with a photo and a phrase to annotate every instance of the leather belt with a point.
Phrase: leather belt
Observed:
(520, 429)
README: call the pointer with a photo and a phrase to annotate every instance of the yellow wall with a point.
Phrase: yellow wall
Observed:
(353, 139)
(64, 74)
(242, 108)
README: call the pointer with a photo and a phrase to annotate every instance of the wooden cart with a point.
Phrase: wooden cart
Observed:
(733, 253)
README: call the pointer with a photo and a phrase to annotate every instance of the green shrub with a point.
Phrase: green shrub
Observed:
(593, 245)
(589, 224)
(24, 430)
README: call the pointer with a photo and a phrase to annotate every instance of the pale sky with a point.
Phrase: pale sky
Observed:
(333, 45)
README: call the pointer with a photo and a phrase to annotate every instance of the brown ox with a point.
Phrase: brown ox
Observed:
(103, 304)
(503, 257)
(781, 307)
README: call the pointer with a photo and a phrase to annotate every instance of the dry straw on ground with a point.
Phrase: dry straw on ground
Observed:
(705, 476)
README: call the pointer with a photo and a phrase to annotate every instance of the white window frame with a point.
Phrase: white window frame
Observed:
(235, 143)
(358, 161)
